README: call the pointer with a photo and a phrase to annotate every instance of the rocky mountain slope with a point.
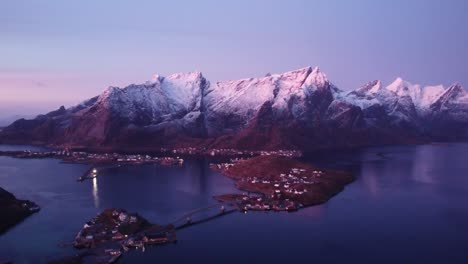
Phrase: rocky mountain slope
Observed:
(14, 210)
(300, 109)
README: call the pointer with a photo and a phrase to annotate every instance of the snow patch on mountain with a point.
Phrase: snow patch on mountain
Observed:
(189, 96)
(422, 97)
(302, 103)
(400, 99)
(246, 96)
(156, 100)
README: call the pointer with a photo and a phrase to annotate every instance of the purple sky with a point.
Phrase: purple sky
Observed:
(60, 52)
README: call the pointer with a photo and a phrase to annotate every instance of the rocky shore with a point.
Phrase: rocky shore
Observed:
(14, 210)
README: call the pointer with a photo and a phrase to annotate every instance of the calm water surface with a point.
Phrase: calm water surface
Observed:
(408, 205)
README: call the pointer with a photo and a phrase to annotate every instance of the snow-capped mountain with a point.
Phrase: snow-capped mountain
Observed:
(233, 104)
(164, 102)
(299, 109)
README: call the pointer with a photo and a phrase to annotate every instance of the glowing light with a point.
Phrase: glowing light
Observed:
(95, 193)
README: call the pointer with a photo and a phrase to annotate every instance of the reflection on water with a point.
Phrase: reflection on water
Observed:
(423, 164)
(369, 179)
(95, 192)
(410, 200)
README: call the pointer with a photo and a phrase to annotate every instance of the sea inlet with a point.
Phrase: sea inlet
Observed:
(407, 205)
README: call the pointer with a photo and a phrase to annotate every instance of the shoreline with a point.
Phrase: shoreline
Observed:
(114, 232)
(280, 183)
(205, 152)
(14, 210)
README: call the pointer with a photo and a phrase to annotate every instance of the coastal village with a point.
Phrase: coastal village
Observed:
(273, 180)
(96, 158)
(276, 179)
(115, 231)
(279, 183)
(226, 152)
(164, 157)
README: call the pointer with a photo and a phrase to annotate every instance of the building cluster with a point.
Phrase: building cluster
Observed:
(235, 152)
(284, 153)
(282, 192)
(119, 231)
(170, 159)
(231, 152)
(225, 165)
(296, 181)
(105, 227)
(96, 158)
(258, 203)
(123, 159)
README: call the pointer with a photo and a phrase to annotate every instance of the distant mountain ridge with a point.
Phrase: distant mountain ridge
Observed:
(6, 120)
(300, 109)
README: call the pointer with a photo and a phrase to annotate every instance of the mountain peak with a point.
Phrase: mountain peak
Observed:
(157, 78)
(306, 70)
(317, 78)
(371, 87)
(186, 75)
(396, 85)
(456, 90)
(456, 86)
(378, 83)
(405, 88)
(294, 109)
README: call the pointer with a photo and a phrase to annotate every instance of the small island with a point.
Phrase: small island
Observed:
(275, 181)
(281, 183)
(14, 210)
(115, 231)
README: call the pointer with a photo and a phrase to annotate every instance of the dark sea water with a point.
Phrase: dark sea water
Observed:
(408, 205)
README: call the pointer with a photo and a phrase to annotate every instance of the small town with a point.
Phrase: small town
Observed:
(97, 158)
(231, 152)
(274, 180)
(284, 190)
(255, 202)
(279, 183)
(163, 157)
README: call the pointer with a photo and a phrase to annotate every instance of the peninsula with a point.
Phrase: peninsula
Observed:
(280, 183)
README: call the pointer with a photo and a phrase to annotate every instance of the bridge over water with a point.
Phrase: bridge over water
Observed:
(213, 211)
(196, 216)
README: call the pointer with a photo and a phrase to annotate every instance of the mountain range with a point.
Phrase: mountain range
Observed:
(300, 109)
